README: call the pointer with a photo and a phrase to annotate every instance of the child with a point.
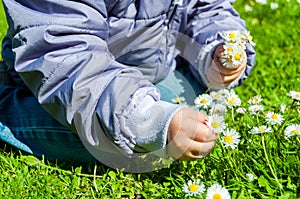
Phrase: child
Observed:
(88, 80)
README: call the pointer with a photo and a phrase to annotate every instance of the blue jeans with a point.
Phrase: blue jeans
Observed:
(28, 127)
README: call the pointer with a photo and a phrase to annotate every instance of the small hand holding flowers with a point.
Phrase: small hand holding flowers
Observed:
(229, 60)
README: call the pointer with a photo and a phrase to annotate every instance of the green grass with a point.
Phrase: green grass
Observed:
(272, 158)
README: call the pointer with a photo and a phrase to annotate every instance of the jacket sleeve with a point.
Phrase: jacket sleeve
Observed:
(207, 20)
(62, 55)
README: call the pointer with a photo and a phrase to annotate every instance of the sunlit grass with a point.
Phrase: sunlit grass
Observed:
(271, 158)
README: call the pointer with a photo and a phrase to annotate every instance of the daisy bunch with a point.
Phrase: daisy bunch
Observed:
(234, 47)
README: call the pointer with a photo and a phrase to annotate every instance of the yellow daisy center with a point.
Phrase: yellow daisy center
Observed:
(228, 139)
(231, 35)
(231, 102)
(217, 196)
(274, 116)
(203, 101)
(295, 131)
(262, 128)
(193, 187)
(215, 124)
(237, 56)
(229, 59)
(229, 49)
(255, 100)
(177, 100)
(217, 96)
(297, 94)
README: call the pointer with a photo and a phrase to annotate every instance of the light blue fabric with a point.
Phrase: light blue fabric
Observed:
(7, 136)
(39, 134)
(84, 60)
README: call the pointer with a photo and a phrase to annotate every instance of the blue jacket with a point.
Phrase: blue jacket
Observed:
(93, 64)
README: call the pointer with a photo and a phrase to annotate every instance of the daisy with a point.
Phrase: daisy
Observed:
(255, 100)
(203, 101)
(193, 188)
(216, 191)
(178, 100)
(216, 123)
(233, 100)
(261, 1)
(230, 61)
(295, 95)
(255, 109)
(274, 5)
(231, 36)
(248, 8)
(274, 118)
(250, 177)
(216, 96)
(248, 38)
(261, 129)
(282, 107)
(231, 138)
(218, 109)
(292, 129)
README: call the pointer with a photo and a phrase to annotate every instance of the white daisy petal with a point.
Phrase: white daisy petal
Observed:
(255, 109)
(217, 191)
(292, 129)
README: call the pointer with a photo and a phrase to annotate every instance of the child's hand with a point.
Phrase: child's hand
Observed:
(188, 136)
(218, 74)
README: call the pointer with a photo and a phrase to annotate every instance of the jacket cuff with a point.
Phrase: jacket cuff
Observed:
(147, 118)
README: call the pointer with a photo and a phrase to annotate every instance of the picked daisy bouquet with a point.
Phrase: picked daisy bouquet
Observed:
(234, 47)
(243, 127)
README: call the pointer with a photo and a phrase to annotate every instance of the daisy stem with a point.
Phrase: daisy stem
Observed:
(257, 119)
(268, 161)
(232, 115)
(231, 161)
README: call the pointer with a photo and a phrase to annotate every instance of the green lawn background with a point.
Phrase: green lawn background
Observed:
(277, 71)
